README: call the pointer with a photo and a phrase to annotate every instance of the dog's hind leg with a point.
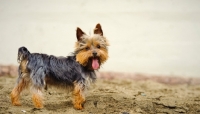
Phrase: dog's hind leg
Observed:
(20, 86)
(37, 97)
(38, 80)
(78, 96)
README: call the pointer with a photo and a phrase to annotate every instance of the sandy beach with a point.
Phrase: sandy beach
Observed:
(106, 96)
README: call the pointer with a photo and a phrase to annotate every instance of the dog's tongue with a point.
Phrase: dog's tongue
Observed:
(95, 63)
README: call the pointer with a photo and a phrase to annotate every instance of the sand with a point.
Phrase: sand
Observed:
(108, 96)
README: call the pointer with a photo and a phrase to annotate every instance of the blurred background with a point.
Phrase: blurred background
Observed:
(159, 37)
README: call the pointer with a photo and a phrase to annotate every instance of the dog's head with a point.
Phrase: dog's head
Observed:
(91, 51)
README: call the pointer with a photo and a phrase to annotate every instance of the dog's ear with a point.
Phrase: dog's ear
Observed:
(98, 30)
(79, 33)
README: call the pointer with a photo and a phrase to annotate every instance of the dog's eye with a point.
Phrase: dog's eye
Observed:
(87, 48)
(98, 46)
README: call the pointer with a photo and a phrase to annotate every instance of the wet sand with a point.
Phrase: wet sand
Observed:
(111, 95)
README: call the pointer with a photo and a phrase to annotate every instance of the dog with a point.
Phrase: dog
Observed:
(73, 72)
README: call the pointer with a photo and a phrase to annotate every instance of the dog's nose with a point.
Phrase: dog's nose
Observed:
(94, 54)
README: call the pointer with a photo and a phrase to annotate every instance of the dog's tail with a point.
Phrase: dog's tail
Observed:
(23, 54)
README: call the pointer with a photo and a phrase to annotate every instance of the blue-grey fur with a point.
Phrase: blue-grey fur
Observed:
(47, 69)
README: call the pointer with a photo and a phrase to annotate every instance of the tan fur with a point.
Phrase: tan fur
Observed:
(23, 66)
(89, 44)
(17, 90)
(78, 96)
(37, 99)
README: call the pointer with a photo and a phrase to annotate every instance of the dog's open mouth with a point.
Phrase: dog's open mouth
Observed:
(95, 63)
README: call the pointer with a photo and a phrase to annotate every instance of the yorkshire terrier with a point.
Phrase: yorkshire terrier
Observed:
(73, 72)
